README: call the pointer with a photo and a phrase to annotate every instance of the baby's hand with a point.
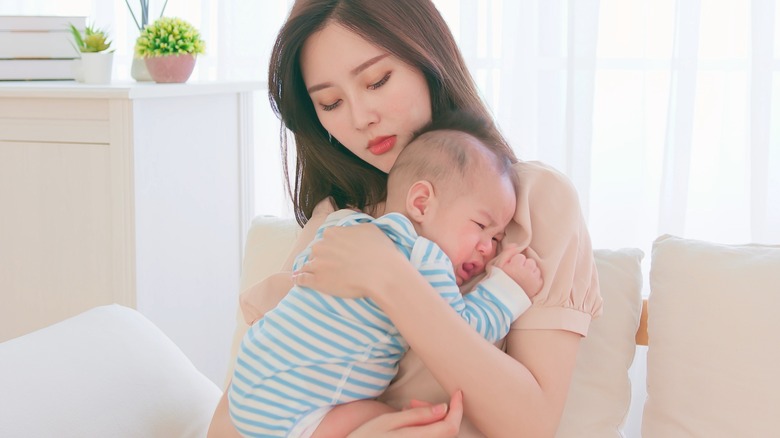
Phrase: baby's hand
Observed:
(520, 268)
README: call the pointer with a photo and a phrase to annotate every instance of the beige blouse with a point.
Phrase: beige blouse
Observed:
(549, 223)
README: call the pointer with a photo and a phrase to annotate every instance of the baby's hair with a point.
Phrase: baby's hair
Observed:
(447, 149)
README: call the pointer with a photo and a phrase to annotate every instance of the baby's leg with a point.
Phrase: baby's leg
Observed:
(343, 419)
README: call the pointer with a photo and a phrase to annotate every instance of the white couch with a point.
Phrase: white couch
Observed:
(712, 355)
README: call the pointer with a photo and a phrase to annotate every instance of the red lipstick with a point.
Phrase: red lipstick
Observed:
(381, 145)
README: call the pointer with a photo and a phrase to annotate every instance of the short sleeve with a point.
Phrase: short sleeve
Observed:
(549, 224)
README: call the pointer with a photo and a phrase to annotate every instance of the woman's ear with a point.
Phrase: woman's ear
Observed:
(420, 199)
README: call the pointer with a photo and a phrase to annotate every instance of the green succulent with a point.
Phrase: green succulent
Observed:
(169, 36)
(92, 40)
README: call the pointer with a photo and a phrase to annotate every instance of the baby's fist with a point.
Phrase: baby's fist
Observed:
(525, 272)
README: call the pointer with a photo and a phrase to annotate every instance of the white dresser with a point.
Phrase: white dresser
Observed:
(138, 194)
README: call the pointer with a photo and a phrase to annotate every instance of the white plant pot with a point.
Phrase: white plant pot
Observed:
(96, 67)
(139, 72)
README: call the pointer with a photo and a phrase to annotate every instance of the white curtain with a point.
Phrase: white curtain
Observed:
(665, 114)
(660, 112)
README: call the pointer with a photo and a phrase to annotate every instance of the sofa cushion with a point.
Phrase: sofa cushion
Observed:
(108, 372)
(600, 392)
(713, 350)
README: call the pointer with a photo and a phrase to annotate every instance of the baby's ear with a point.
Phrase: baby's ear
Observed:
(419, 200)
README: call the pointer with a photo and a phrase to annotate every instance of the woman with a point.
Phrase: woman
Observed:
(353, 80)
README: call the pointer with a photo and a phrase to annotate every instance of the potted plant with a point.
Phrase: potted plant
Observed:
(138, 68)
(96, 58)
(169, 47)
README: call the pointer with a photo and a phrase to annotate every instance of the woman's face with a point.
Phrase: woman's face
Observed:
(369, 100)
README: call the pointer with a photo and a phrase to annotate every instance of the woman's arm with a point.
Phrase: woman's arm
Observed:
(521, 393)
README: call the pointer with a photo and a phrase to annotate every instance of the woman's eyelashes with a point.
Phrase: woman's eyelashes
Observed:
(332, 106)
(380, 82)
(371, 86)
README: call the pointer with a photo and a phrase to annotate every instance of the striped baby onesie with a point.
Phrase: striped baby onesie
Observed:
(315, 351)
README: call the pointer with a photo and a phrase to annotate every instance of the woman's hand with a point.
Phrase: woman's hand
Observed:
(347, 261)
(421, 420)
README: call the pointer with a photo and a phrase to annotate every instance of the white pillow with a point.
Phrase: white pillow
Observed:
(108, 372)
(713, 350)
(600, 392)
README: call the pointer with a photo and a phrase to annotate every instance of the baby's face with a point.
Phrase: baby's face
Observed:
(470, 225)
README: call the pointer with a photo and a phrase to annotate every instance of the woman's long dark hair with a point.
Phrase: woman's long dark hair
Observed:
(412, 30)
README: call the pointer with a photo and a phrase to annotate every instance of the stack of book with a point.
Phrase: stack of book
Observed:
(38, 48)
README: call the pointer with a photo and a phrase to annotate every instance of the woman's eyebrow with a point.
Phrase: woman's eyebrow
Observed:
(319, 87)
(354, 72)
(357, 70)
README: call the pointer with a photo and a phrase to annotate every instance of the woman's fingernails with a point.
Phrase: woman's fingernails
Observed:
(439, 409)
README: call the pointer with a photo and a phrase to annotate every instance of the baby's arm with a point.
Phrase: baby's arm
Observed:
(510, 275)
(497, 290)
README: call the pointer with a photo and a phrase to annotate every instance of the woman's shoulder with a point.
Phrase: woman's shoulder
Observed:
(324, 207)
(541, 176)
(542, 187)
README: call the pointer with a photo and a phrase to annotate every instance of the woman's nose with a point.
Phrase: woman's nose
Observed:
(364, 113)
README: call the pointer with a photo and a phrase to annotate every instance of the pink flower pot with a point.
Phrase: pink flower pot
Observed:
(171, 68)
